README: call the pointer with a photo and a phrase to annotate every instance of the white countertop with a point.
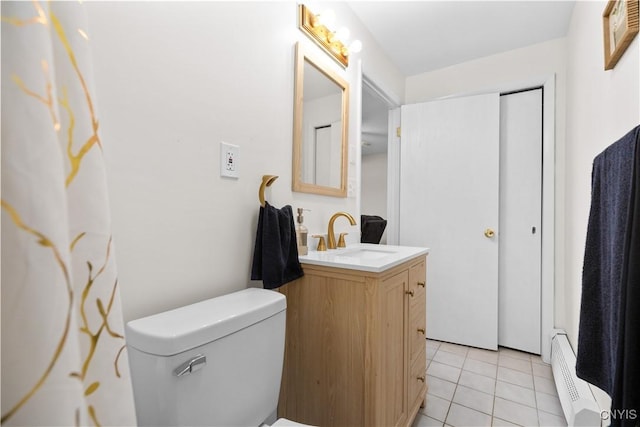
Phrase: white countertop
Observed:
(364, 257)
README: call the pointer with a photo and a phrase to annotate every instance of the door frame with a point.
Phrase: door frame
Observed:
(393, 154)
(548, 84)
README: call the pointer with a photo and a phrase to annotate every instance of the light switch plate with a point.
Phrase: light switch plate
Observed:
(229, 160)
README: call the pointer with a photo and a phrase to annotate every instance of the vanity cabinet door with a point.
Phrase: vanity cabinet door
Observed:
(393, 368)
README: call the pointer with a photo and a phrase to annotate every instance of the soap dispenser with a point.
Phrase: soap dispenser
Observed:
(301, 234)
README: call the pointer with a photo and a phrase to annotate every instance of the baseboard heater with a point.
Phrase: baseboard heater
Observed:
(578, 404)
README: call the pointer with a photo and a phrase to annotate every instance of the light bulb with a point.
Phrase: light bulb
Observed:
(343, 34)
(355, 46)
(327, 18)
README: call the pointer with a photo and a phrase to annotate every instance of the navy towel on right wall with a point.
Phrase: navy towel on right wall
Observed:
(609, 335)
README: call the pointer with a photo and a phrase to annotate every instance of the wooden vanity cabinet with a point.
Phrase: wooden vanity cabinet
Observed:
(355, 350)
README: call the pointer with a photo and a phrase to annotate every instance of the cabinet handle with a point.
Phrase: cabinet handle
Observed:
(421, 284)
(409, 292)
(421, 330)
(421, 378)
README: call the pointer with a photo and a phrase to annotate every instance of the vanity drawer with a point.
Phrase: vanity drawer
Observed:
(418, 379)
(417, 330)
(417, 283)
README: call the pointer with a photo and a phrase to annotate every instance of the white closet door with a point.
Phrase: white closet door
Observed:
(520, 220)
(448, 199)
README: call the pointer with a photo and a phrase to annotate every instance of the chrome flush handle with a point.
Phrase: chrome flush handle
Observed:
(192, 365)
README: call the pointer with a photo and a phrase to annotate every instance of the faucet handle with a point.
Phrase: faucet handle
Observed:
(341, 242)
(321, 244)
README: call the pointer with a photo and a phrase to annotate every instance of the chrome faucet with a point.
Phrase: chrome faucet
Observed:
(331, 244)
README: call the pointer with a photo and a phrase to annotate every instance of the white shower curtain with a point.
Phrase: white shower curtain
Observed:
(64, 360)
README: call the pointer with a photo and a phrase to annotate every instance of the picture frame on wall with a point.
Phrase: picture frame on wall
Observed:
(620, 25)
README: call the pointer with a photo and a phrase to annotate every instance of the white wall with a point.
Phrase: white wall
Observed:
(518, 68)
(594, 108)
(515, 66)
(374, 191)
(173, 79)
(373, 199)
(602, 106)
(375, 64)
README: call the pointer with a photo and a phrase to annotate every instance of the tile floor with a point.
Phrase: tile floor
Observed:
(474, 387)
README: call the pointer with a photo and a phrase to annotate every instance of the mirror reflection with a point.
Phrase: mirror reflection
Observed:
(320, 128)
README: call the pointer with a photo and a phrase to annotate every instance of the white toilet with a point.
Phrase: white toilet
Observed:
(214, 363)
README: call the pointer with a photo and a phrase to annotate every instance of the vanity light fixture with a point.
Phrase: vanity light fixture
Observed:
(333, 42)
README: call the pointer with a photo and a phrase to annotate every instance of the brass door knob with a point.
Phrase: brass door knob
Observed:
(421, 330)
(409, 293)
(421, 284)
(489, 233)
(421, 378)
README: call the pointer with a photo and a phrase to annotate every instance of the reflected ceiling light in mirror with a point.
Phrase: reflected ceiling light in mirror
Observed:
(318, 28)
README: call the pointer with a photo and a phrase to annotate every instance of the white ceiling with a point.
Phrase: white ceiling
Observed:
(420, 36)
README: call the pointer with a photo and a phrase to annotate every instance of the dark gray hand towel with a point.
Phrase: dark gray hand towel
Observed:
(275, 256)
(371, 228)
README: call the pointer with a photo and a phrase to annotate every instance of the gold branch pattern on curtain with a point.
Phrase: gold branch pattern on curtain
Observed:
(63, 350)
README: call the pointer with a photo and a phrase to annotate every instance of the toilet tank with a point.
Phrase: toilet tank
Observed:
(214, 363)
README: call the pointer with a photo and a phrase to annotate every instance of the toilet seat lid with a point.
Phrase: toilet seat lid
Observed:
(185, 328)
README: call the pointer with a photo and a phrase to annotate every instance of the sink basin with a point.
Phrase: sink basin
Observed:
(364, 257)
(365, 253)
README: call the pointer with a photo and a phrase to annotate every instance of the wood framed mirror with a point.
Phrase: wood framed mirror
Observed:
(320, 126)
